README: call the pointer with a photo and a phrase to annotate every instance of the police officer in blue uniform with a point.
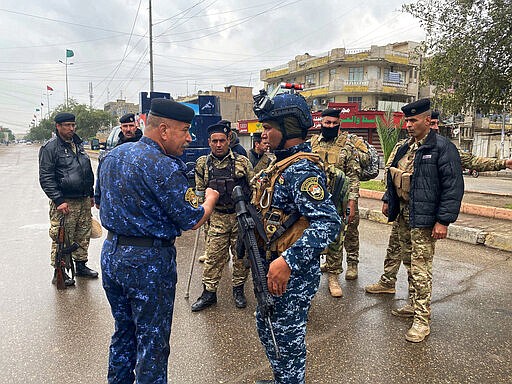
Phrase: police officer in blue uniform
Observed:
(293, 273)
(146, 203)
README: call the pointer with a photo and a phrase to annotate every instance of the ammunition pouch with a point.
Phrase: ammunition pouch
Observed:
(401, 181)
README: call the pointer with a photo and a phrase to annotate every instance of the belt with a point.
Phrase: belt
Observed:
(136, 241)
(225, 210)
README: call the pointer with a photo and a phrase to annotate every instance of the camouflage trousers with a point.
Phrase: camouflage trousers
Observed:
(349, 241)
(289, 322)
(222, 235)
(77, 227)
(393, 258)
(417, 246)
(140, 285)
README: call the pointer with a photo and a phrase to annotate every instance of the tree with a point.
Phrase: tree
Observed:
(467, 50)
(389, 133)
(88, 121)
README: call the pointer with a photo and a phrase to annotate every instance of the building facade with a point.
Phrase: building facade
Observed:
(378, 78)
(120, 107)
(235, 102)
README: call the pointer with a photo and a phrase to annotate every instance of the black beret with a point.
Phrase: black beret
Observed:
(434, 115)
(170, 109)
(64, 117)
(256, 137)
(128, 118)
(331, 112)
(220, 127)
(416, 107)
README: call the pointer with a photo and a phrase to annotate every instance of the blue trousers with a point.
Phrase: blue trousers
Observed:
(289, 323)
(140, 284)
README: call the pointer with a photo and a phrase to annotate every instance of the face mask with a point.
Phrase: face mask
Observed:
(330, 133)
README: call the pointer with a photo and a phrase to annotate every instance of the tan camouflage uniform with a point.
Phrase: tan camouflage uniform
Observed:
(223, 228)
(416, 244)
(393, 257)
(77, 226)
(348, 162)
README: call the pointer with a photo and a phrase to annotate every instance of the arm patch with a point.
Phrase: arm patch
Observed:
(313, 189)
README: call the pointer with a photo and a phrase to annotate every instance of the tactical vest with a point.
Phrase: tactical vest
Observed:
(329, 155)
(281, 230)
(224, 180)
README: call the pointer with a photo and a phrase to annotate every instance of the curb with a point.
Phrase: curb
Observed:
(470, 209)
(455, 232)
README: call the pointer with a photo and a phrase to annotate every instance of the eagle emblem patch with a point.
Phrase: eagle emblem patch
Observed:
(313, 189)
(191, 198)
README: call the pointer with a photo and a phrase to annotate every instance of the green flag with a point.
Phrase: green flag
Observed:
(37, 109)
(69, 53)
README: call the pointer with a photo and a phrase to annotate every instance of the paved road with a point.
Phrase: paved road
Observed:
(50, 336)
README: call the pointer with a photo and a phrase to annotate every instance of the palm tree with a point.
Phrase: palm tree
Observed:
(389, 133)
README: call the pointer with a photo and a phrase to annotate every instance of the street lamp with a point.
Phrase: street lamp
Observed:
(67, 90)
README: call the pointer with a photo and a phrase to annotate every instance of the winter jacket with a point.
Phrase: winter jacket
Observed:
(64, 174)
(437, 185)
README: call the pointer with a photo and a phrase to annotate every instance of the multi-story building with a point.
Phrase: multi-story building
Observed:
(378, 78)
(120, 107)
(235, 102)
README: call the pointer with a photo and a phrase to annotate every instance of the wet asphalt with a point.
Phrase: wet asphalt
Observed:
(50, 336)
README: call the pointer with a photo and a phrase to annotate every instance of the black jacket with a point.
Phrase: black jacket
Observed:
(123, 139)
(437, 185)
(64, 174)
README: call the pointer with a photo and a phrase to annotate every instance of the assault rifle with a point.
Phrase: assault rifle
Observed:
(246, 227)
(63, 256)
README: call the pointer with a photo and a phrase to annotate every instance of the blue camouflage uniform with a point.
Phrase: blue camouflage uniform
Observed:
(291, 309)
(144, 195)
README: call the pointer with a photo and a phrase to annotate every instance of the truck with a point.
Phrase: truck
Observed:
(207, 112)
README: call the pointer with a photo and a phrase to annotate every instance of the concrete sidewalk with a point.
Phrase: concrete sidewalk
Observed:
(491, 231)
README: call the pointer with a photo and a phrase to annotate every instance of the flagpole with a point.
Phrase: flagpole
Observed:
(48, 101)
(67, 90)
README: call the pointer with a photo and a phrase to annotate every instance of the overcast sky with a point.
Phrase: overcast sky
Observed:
(198, 45)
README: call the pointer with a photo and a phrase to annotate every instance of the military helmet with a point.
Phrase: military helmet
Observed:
(281, 106)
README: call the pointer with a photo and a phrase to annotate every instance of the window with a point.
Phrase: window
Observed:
(321, 78)
(356, 99)
(391, 76)
(310, 79)
(332, 74)
(355, 74)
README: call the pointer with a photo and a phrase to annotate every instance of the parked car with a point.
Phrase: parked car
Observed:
(111, 142)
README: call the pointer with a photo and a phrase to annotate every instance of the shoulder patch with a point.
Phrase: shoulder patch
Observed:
(191, 198)
(313, 189)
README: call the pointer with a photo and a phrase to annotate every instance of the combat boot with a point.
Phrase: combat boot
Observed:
(380, 287)
(417, 332)
(83, 270)
(202, 258)
(351, 273)
(207, 299)
(68, 281)
(238, 294)
(406, 311)
(323, 267)
(334, 285)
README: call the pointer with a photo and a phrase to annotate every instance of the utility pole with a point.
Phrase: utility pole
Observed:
(150, 49)
(90, 94)
(502, 144)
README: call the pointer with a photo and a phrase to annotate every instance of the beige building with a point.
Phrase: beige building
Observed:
(378, 78)
(235, 102)
(120, 107)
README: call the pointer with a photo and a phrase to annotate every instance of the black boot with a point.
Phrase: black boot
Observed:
(83, 270)
(206, 300)
(238, 294)
(68, 281)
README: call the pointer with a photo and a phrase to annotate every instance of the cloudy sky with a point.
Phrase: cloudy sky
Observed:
(197, 45)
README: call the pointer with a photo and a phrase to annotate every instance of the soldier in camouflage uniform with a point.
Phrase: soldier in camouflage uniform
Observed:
(386, 283)
(423, 195)
(259, 156)
(222, 170)
(335, 148)
(293, 259)
(66, 176)
(146, 203)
